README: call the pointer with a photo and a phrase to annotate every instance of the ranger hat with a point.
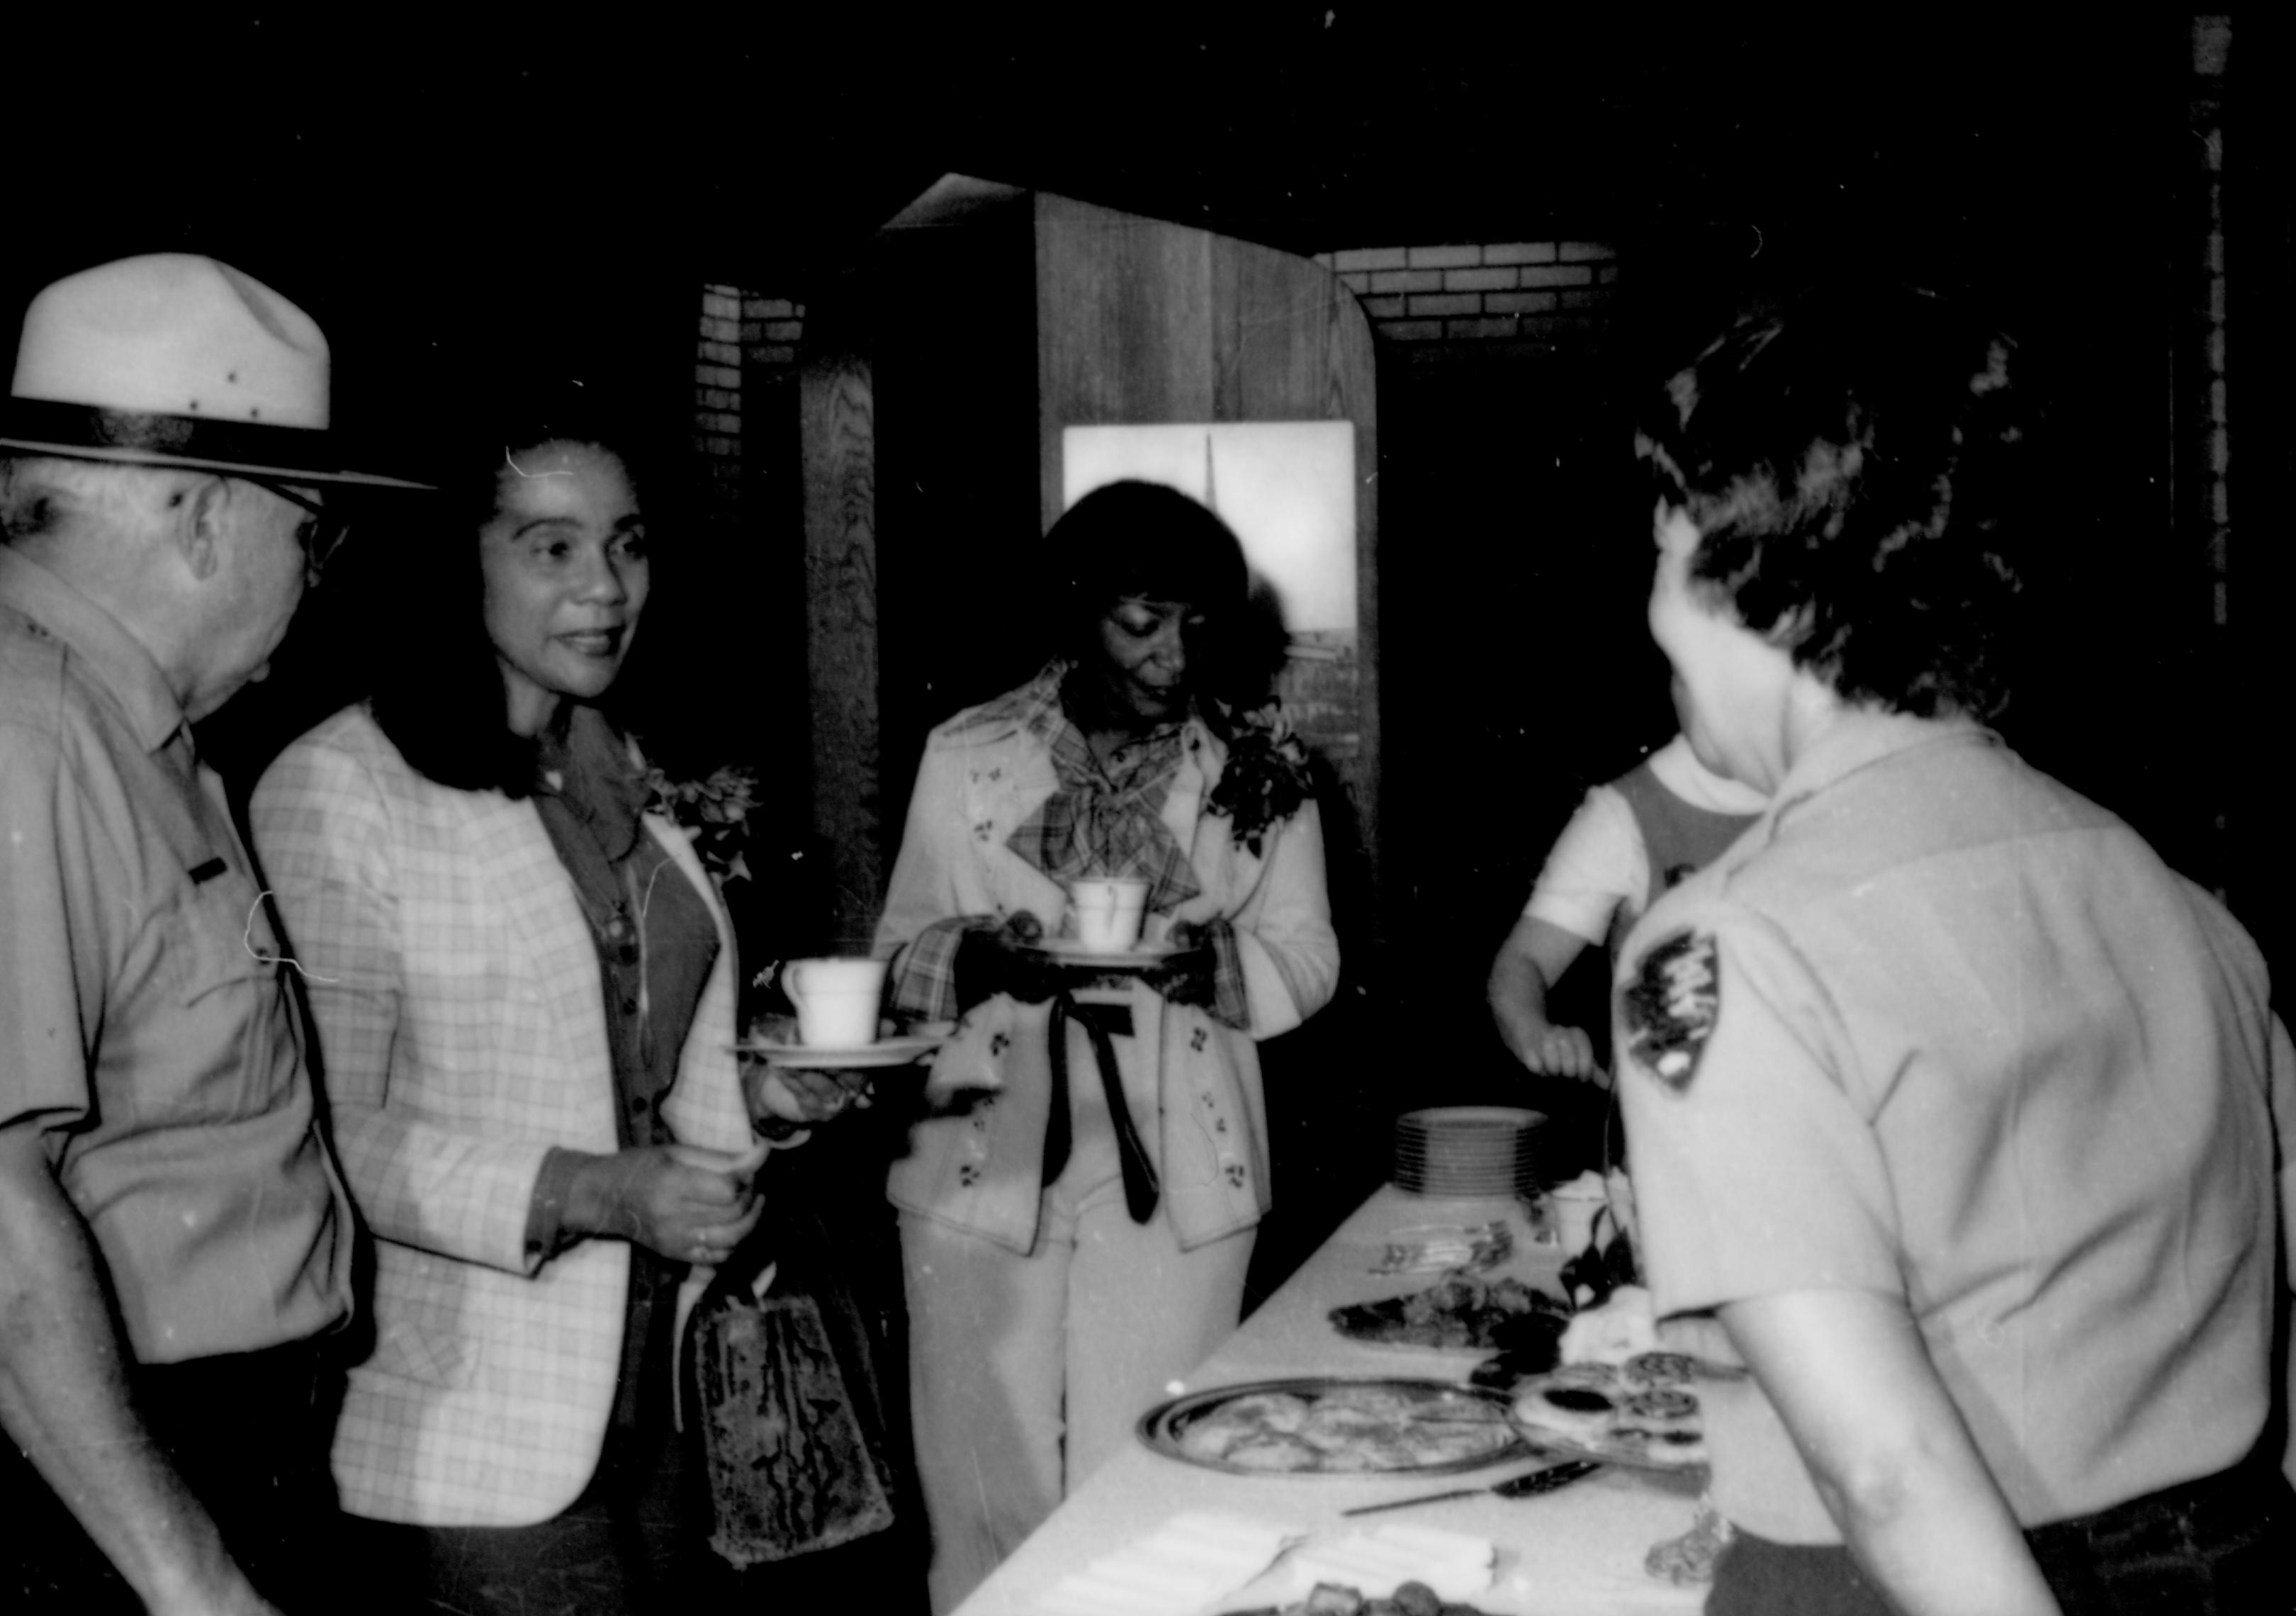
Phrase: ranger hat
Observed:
(172, 359)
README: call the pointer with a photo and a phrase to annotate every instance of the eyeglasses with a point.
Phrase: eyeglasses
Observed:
(320, 533)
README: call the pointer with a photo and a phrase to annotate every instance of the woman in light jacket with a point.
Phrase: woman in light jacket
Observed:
(525, 986)
(1071, 1246)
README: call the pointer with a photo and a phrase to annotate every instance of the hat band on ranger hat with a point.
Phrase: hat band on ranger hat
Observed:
(80, 431)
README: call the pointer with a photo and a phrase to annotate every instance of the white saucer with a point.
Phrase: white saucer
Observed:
(1074, 950)
(884, 1052)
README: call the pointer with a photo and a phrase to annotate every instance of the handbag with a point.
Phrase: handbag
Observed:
(793, 1433)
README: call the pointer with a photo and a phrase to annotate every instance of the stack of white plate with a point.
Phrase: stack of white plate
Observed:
(1467, 1151)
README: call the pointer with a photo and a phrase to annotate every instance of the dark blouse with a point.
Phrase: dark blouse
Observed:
(657, 941)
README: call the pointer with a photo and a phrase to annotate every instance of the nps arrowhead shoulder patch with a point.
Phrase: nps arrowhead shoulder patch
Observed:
(1670, 1005)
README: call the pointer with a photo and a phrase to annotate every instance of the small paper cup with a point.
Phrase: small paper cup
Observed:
(1574, 1220)
(1107, 912)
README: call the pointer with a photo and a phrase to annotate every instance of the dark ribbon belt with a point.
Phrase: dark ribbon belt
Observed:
(1101, 1021)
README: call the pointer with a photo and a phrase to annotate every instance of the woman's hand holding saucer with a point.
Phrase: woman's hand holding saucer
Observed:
(785, 1101)
(1005, 959)
(1190, 975)
(786, 1098)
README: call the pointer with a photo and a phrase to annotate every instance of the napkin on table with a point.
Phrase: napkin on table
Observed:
(1458, 1565)
(1195, 1560)
(1186, 1564)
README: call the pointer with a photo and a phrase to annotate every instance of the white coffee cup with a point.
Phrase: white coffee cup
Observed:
(1107, 912)
(837, 1000)
(1575, 1212)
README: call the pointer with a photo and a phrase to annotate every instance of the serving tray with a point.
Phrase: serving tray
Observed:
(1337, 1425)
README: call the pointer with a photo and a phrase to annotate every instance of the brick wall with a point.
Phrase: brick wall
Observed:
(2211, 49)
(717, 386)
(745, 345)
(1532, 294)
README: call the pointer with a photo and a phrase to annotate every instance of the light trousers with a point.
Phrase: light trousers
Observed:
(1026, 1374)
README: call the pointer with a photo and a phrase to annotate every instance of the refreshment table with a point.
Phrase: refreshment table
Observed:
(1578, 1550)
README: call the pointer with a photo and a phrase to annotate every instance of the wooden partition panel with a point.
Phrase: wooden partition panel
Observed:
(1136, 322)
(1140, 323)
(837, 431)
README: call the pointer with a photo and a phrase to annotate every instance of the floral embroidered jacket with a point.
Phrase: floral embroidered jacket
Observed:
(1192, 1084)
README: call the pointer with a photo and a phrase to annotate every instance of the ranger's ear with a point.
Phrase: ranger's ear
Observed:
(198, 512)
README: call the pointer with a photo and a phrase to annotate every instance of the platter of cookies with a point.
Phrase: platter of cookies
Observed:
(1645, 1411)
(1459, 1312)
(1328, 1426)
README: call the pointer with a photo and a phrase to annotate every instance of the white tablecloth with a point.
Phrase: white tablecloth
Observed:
(1578, 1550)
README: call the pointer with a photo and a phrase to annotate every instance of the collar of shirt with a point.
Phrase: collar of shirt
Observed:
(1862, 737)
(1035, 708)
(1138, 763)
(117, 659)
(1099, 820)
(1022, 709)
(587, 766)
(1678, 770)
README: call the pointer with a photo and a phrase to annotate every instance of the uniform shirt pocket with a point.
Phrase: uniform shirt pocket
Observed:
(233, 1050)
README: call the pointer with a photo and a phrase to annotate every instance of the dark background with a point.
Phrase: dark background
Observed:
(467, 204)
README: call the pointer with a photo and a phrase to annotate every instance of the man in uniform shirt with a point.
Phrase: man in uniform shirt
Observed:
(1947, 1100)
(174, 1239)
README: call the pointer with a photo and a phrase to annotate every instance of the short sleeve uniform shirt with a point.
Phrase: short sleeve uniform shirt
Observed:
(1938, 1027)
(143, 1018)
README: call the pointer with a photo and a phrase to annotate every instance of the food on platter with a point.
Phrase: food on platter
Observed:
(1280, 1451)
(1459, 1311)
(1658, 1369)
(1434, 1248)
(1276, 1410)
(1642, 1411)
(1616, 1394)
(1613, 1332)
(1335, 1427)
(1602, 1377)
(1335, 1599)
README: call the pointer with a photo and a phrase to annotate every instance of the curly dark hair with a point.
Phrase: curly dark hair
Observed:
(1851, 459)
(1150, 541)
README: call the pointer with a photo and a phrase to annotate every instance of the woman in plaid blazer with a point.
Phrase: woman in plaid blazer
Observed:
(525, 990)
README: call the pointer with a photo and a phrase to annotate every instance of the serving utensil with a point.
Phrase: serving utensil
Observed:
(1519, 1487)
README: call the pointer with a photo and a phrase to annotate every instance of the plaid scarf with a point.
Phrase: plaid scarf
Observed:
(1106, 820)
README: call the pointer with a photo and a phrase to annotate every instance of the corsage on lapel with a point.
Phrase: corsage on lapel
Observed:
(714, 814)
(1267, 775)
(1671, 1004)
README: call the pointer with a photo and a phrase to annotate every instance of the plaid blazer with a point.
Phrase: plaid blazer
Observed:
(457, 994)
